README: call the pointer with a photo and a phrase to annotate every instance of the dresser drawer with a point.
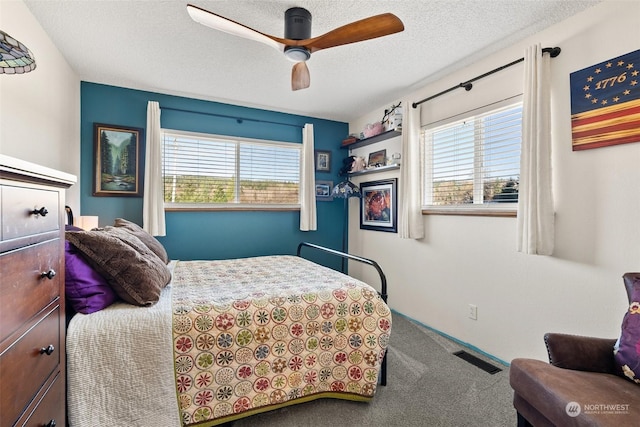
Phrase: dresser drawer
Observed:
(50, 409)
(18, 206)
(23, 289)
(24, 367)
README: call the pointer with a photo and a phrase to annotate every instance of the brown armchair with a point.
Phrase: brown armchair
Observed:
(581, 386)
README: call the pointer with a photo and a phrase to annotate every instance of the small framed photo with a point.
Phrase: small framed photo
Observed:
(323, 191)
(379, 205)
(323, 161)
(377, 159)
(118, 160)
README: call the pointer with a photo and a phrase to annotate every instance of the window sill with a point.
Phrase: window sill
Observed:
(472, 211)
(228, 207)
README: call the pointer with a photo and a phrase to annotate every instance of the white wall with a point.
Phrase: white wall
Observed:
(473, 260)
(40, 110)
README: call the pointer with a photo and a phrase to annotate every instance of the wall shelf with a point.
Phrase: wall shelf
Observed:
(377, 138)
(374, 170)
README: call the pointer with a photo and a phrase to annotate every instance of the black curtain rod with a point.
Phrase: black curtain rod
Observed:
(237, 119)
(553, 51)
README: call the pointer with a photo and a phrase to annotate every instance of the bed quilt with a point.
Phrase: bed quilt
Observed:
(255, 334)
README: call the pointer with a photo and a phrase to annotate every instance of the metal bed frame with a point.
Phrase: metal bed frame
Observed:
(382, 293)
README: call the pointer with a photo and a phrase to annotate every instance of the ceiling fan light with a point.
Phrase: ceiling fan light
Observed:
(297, 53)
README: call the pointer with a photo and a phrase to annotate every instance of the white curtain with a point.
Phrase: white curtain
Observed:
(535, 200)
(308, 220)
(410, 219)
(153, 220)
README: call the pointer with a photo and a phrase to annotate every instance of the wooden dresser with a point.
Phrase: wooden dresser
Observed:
(32, 312)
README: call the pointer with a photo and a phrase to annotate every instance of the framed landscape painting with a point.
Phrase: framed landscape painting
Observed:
(118, 160)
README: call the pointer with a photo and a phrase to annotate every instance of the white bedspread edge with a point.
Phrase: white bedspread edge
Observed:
(108, 384)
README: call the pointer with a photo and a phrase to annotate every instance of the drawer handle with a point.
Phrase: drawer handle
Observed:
(48, 350)
(48, 274)
(51, 423)
(42, 211)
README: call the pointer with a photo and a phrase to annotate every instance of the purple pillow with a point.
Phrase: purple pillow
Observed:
(86, 290)
(627, 351)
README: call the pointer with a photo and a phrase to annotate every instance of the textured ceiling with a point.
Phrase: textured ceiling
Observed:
(154, 45)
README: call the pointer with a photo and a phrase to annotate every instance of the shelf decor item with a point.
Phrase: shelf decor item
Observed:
(379, 205)
(392, 119)
(373, 129)
(377, 159)
(349, 140)
(118, 160)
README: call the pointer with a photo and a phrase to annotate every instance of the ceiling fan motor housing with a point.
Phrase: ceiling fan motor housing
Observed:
(297, 24)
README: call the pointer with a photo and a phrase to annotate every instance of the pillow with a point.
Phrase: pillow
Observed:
(135, 273)
(86, 290)
(151, 242)
(627, 350)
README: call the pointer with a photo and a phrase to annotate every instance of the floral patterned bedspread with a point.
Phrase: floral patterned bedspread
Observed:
(255, 334)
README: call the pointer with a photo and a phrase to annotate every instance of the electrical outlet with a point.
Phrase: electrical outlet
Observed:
(473, 312)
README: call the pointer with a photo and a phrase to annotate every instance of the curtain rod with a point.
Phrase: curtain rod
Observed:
(237, 119)
(553, 51)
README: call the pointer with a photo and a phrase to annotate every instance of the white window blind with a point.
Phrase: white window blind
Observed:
(474, 161)
(208, 170)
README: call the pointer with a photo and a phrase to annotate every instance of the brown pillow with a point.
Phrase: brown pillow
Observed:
(135, 273)
(151, 242)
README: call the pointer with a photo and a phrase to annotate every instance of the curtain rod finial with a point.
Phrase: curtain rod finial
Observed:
(552, 51)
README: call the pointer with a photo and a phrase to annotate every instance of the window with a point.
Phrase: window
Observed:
(473, 162)
(210, 171)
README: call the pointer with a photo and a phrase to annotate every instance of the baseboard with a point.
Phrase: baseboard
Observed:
(454, 339)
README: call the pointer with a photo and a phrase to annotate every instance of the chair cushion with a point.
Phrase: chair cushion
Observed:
(627, 352)
(575, 398)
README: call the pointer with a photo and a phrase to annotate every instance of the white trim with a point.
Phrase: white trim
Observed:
(512, 100)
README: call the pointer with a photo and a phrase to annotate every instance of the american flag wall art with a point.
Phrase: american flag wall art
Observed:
(605, 103)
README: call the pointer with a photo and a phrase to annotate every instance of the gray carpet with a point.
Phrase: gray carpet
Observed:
(427, 386)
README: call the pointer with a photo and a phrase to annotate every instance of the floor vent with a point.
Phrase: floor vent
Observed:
(485, 366)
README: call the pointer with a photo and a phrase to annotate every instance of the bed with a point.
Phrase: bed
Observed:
(225, 340)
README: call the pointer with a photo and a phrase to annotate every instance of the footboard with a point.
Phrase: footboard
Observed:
(383, 286)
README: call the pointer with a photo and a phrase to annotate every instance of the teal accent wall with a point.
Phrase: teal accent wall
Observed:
(212, 234)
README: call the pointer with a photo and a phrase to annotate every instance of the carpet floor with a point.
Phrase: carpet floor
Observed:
(427, 386)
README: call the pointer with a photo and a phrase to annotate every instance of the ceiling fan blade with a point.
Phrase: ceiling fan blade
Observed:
(223, 24)
(300, 76)
(364, 29)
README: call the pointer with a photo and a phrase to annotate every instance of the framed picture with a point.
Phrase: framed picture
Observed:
(118, 160)
(323, 161)
(377, 158)
(604, 103)
(323, 190)
(379, 205)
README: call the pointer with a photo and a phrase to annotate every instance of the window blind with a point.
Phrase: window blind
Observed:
(211, 170)
(475, 160)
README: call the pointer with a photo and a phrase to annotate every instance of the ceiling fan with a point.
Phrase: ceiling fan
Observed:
(297, 44)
